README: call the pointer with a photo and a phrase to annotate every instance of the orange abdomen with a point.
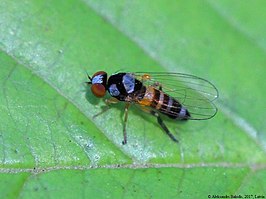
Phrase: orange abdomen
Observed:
(164, 103)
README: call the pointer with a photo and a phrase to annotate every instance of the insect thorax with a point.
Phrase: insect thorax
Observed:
(125, 87)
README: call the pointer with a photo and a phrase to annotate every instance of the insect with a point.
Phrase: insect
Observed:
(176, 95)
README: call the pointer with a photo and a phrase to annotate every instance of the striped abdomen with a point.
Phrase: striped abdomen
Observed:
(164, 103)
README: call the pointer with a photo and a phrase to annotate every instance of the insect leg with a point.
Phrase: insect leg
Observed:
(164, 127)
(160, 121)
(125, 123)
(107, 102)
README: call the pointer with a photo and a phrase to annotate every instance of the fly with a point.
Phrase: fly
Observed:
(176, 95)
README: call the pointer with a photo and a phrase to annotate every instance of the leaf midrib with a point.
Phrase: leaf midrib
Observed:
(252, 167)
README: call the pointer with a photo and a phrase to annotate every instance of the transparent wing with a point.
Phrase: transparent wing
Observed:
(195, 93)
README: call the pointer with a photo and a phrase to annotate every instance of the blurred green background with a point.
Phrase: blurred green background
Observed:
(51, 147)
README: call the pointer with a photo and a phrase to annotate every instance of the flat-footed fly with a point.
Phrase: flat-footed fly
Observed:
(176, 95)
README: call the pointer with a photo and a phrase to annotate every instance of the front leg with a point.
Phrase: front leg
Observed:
(107, 102)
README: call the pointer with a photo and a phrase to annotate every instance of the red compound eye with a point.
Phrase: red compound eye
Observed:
(102, 73)
(98, 90)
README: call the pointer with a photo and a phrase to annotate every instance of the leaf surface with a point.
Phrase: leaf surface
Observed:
(52, 147)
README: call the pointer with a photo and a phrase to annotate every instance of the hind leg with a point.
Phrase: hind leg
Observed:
(164, 127)
(161, 123)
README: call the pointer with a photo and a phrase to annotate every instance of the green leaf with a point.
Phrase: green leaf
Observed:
(51, 146)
